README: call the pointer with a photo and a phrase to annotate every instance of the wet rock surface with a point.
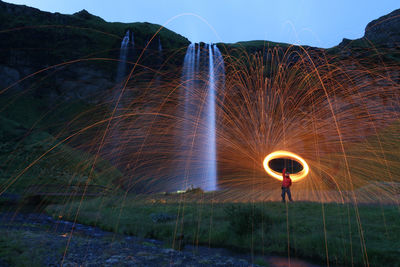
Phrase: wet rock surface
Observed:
(72, 244)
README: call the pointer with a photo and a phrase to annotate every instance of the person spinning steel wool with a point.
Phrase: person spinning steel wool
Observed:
(286, 183)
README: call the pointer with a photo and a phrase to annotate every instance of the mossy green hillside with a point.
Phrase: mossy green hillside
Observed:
(16, 252)
(30, 157)
(24, 27)
(31, 40)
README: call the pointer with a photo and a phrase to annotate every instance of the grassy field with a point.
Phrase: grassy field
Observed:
(19, 248)
(337, 233)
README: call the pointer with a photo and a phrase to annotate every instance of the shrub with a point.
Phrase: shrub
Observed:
(245, 219)
(194, 190)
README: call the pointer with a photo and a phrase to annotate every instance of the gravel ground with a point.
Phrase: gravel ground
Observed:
(90, 246)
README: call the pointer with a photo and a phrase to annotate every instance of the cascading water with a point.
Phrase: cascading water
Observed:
(123, 54)
(219, 68)
(159, 46)
(126, 44)
(210, 156)
(203, 75)
(159, 63)
(132, 40)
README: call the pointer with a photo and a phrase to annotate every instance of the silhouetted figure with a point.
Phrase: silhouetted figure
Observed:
(286, 183)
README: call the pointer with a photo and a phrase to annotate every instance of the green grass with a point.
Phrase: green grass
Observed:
(16, 252)
(41, 113)
(31, 40)
(365, 52)
(260, 261)
(248, 45)
(216, 225)
(25, 140)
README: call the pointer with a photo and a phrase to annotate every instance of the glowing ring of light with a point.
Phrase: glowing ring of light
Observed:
(286, 154)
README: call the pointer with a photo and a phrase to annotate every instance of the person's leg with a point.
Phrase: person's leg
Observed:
(289, 194)
(283, 194)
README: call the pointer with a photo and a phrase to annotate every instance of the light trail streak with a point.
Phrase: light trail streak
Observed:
(286, 155)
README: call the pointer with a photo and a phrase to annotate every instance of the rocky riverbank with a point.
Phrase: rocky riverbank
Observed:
(45, 241)
(90, 246)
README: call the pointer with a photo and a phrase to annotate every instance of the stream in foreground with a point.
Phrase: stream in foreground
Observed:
(47, 239)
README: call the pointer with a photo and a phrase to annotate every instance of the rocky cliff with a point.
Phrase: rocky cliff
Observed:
(32, 40)
(382, 36)
(382, 33)
(385, 31)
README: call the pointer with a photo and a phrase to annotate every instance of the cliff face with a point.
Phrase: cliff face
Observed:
(382, 36)
(385, 30)
(32, 40)
(55, 66)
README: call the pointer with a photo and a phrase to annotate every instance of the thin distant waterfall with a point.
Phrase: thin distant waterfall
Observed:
(159, 46)
(126, 43)
(159, 63)
(188, 76)
(126, 51)
(203, 75)
(123, 54)
(132, 40)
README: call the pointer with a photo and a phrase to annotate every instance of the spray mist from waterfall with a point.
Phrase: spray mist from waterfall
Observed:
(199, 132)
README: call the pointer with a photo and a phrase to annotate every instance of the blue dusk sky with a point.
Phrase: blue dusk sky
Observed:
(321, 23)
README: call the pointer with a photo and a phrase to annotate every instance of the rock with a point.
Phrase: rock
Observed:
(10, 75)
(84, 14)
(10, 198)
(229, 261)
(162, 217)
(385, 30)
(205, 261)
(151, 257)
(244, 262)
(168, 251)
(83, 83)
(177, 262)
(69, 264)
(142, 254)
(86, 250)
(114, 259)
(31, 50)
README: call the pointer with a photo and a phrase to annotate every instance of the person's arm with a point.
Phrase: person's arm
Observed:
(283, 173)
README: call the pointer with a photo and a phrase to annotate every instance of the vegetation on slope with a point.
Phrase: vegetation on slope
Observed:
(320, 232)
(81, 33)
(32, 157)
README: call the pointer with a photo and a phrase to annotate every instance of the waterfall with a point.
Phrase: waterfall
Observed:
(159, 63)
(115, 147)
(219, 68)
(159, 46)
(211, 152)
(188, 79)
(123, 54)
(203, 75)
(126, 51)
